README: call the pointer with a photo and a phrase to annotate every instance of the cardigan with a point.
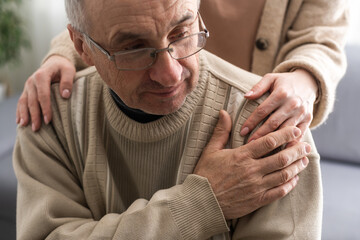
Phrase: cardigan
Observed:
(307, 34)
(93, 173)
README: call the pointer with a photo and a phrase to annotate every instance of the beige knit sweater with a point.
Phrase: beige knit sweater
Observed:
(93, 173)
(308, 34)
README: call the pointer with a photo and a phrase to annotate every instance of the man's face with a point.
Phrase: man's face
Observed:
(126, 24)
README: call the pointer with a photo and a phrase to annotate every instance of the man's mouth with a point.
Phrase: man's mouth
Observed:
(166, 92)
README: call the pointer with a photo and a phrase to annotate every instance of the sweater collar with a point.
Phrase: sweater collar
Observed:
(135, 114)
(162, 127)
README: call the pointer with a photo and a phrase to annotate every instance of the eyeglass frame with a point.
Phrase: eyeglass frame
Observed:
(155, 52)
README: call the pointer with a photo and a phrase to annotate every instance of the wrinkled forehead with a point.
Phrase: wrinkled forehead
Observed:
(128, 11)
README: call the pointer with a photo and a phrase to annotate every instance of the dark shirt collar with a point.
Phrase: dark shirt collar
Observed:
(135, 114)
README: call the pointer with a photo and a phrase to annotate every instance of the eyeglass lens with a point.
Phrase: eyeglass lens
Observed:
(179, 49)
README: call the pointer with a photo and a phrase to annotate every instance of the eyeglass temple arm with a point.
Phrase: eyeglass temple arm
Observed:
(202, 25)
(111, 58)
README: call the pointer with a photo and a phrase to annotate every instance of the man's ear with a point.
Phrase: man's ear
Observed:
(80, 45)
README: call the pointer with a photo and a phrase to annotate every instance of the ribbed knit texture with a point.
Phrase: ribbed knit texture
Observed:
(93, 173)
(182, 209)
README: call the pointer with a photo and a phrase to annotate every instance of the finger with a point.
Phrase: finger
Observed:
(270, 104)
(221, 132)
(263, 86)
(66, 81)
(270, 142)
(285, 175)
(18, 112)
(17, 120)
(293, 109)
(42, 83)
(302, 123)
(275, 120)
(305, 124)
(22, 110)
(280, 191)
(34, 108)
(285, 157)
(304, 127)
(293, 143)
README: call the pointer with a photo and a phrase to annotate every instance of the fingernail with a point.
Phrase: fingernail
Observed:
(244, 131)
(297, 132)
(307, 148)
(33, 127)
(305, 162)
(21, 122)
(221, 116)
(249, 94)
(66, 93)
(46, 120)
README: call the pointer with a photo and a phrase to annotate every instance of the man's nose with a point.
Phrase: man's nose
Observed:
(166, 70)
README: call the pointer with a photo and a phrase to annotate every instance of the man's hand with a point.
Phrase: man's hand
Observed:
(290, 103)
(35, 99)
(242, 179)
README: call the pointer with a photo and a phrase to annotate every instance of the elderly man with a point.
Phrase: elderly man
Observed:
(144, 148)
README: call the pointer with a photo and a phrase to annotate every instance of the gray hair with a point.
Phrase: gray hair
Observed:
(75, 10)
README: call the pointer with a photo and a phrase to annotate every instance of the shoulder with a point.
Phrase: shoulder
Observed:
(228, 73)
(87, 86)
(238, 82)
(89, 72)
(81, 86)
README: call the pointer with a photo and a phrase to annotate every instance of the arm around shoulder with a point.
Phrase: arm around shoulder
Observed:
(63, 46)
(314, 40)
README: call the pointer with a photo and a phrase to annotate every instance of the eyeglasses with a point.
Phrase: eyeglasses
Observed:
(143, 58)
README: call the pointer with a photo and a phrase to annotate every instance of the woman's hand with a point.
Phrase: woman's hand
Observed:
(35, 98)
(290, 103)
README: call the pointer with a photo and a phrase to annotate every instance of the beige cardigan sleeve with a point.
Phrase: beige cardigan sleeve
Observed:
(63, 46)
(51, 202)
(314, 39)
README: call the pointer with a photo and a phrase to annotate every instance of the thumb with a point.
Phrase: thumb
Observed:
(221, 132)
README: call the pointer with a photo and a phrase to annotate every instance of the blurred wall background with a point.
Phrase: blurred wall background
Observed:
(43, 19)
(46, 18)
(354, 31)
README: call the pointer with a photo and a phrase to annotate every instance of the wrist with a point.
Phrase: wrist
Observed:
(312, 81)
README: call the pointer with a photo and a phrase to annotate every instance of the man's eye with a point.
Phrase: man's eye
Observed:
(179, 35)
(133, 46)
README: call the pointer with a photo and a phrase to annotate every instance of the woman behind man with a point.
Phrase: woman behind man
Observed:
(300, 43)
